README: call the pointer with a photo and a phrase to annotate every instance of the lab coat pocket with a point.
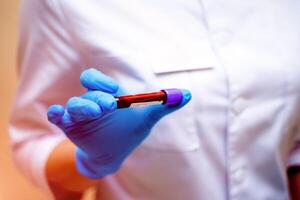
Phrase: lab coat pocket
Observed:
(157, 70)
(176, 132)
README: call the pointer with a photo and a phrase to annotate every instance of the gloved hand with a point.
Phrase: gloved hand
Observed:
(105, 136)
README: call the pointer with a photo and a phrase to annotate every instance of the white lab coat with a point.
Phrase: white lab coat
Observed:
(240, 60)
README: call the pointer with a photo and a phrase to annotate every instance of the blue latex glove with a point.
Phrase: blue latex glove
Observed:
(104, 135)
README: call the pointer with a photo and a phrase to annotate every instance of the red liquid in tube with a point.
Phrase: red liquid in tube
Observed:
(141, 99)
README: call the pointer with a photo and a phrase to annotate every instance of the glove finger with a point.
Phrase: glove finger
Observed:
(55, 114)
(156, 112)
(81, 109)
(93, 79)
(106, 101)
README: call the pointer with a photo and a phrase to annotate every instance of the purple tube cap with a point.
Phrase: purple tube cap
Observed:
(174, 96)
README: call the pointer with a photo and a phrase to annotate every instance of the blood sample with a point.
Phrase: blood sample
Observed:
(170, 97)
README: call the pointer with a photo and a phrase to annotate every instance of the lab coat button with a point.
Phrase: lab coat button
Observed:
(239, 105)
(239, 175)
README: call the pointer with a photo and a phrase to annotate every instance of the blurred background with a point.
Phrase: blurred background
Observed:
(12, 184)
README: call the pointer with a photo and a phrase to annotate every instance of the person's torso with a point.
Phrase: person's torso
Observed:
(241, 62)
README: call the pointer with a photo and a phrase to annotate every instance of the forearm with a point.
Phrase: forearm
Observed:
(294, 182)
(64, 179)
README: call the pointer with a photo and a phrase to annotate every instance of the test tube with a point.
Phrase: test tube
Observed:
(170, 97)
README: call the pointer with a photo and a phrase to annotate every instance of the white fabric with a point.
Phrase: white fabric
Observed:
(240, 59)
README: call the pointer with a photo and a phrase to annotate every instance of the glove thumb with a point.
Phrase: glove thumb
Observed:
(156, 112)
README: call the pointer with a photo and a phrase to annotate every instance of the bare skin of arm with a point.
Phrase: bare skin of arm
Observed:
(64, 179)
(294, 182)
